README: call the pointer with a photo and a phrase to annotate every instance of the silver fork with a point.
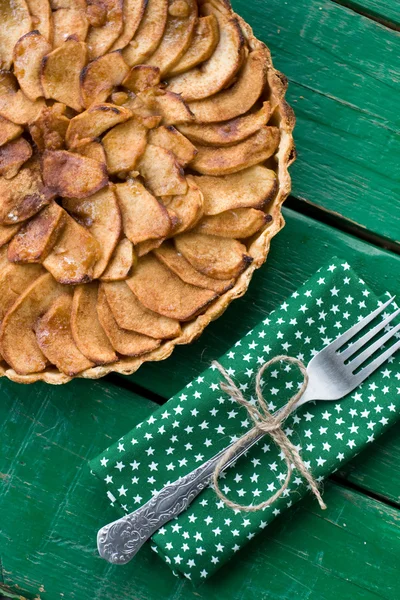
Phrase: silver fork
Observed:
(332, 375)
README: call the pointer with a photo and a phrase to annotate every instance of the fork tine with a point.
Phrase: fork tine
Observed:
(350, 333)
(350, 351)
(375, 364)
(361, 358)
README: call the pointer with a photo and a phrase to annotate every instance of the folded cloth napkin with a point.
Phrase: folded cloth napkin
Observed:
(201, 420)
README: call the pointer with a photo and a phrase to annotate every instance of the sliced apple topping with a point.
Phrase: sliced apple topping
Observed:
(132, 315)
(132, 13)
(142, 77)
(252, 188)
(73, 258)
(124, 145)
(221, 67)
(177, 36)
(8, 131)
(204, 41)
(168, 255)
(88, 334)
(239, 224)
(221, 258)
(54, 336)
(223, 161)
(7, 232)
(28, 54)
(241, 96)
(93, 150)
(169, 138)
(89, 175)
(12, 156)
(163, 174)
(163, 292)
(100, 76)
(17, 108)
(172, 108)
(121, 262)
(149, 33)
(188, 208)
(125, 342)
(42, 17)
(24, 195)
(49, 129)
(100, 39)
(61, 70)
(18, 341)
(37, 238)
(101, 216)
(69, 22)
(15, 21)
(94, 121)
(14, 280)
(143, 217)
(229, 132)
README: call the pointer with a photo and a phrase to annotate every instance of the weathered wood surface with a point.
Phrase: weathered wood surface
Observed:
(387, 11)
(344, 75)
(51, 511)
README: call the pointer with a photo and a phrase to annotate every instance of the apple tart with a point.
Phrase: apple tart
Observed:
(144, 153)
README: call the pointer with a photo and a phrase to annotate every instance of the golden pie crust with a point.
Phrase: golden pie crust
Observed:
(144, 154)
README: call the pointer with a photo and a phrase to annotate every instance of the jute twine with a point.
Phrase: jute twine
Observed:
(268, 423)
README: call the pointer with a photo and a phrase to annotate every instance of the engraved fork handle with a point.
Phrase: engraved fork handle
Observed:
(119, 541)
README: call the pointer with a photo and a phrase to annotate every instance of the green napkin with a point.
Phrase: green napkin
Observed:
(201, 420)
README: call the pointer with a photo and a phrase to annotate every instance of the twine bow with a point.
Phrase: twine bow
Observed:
(269, 423)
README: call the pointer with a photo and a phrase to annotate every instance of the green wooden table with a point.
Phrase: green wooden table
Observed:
(342, 61)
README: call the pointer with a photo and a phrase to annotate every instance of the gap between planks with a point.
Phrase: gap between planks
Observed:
(364, 12)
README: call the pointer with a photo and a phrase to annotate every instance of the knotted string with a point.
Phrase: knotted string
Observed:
(269, 423)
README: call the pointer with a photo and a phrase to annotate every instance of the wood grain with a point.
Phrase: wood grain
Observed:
(344, 75)
(387, 11)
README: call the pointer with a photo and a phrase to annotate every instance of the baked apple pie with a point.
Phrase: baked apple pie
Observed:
(144, 148)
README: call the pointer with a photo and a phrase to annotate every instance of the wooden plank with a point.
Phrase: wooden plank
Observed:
(344, 74)
(51, 510)
(297, 252)
(386, 11)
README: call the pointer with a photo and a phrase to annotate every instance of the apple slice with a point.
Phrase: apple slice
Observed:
(49, 129)
(18, 341)
(221, 67)
(252, 188)
(172, 108)
(127, 343)
(101, 216)
(182, 16)
(162, 173)
(37, 238)
(224, 161)
(143, 248)
(130, 314)
(8, 131)
(61, 71)
(100, 76)
(121, 262)
(204, 41)
(170, 139)
(54, 336)
(72, 259)
(87, 332)
(18, 109)
(168, 255)
(14, 280)
(100, 39)
(124, 145)
(143, 217)
(68, 22)
(142, 77)
(28, 54)
(229, 132)
(12, 156)
(7, 233)
(149, 33)
(221, 258)
(132, 14)
(94, 121)
(93, 150)
(15, 21)
(24, 195)
(71, 175)
(188, 207)
(163, 292)
(42, 18)
(241, 96)
(239, 224)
